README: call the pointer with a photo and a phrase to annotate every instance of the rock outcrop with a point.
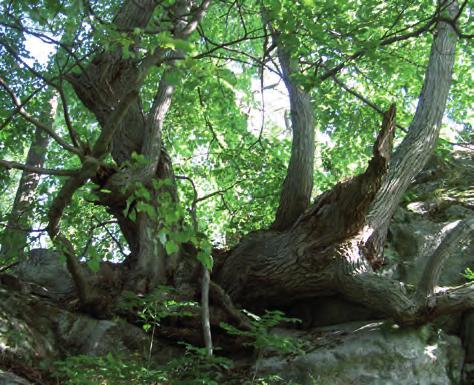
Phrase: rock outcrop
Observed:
(370, 354)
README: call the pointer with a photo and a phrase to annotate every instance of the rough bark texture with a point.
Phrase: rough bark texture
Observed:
(415, 150)
(279, 267)
(14, 238)
(332, 247)
(436, 261)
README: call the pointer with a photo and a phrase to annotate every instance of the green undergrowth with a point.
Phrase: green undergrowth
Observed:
(194, 366)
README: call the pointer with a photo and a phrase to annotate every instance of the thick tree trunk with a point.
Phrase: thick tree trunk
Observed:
(271, 267)
(14, 238)
(331, 247)
(109, 88)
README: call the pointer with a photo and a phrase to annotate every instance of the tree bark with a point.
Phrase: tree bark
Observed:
(14, 238)
(417, 147)
(297, 187)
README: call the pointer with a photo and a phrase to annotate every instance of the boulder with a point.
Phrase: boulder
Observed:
(440, 196)
(47, 270)
(369, 354)
(35, 331)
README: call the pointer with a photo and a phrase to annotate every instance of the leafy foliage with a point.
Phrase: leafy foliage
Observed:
(208, 131)
(351, 57)
(261, 336)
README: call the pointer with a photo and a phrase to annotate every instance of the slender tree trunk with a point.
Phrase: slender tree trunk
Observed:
(417, 147)
(298, 185)
(14, 238)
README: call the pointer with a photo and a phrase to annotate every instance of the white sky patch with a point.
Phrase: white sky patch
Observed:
(274, 106)
(39, 50)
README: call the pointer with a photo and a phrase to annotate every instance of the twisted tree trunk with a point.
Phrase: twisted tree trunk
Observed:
(109, 88)
(331, 247)
(298, 184)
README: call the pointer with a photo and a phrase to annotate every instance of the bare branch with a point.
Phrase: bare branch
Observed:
(206, 325)
(363, 99)
(72, 133)
(21, 106)
(197, 16)
(335, 70)
(225, 301)
(37, 170)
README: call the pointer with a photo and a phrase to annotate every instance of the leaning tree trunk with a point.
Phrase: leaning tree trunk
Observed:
(298, 184)
(418, 145)
(14, 238)
(330, 248)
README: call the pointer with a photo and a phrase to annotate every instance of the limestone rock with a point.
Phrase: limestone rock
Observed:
(441, 195)
(371, 354)
(35, 330)
(47, 271)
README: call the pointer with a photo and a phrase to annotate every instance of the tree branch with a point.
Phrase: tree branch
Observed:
(67, 118)
(21, 106)
(335, 70)
(197, 16)
(418, 145)
(298, 184)
(17, 102)
(437, 259)
(37, 170)
(363, 99)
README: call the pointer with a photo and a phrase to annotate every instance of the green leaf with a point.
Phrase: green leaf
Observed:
(171, 247)
(94, 264)
(147, 208)
(206, 259)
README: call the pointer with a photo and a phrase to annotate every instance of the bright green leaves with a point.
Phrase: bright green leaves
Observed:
(166, 40)
(260, 333)
(169, 218)
(171, 247)
(204, 255)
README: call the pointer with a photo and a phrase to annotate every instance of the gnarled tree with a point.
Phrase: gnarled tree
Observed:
(121, 88)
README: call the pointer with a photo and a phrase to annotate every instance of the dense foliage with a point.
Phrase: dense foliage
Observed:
(153, 131)
(221, 132)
